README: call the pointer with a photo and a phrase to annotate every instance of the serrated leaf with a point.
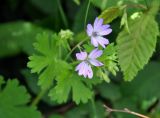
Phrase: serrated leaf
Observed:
(110, 14)
(47, 48)
(65, 85)
(17, 109)
(79, 87)
(135, 48)
(109, 58)
(51, 68)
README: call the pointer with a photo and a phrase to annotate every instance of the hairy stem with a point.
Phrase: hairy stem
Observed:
(125, 110)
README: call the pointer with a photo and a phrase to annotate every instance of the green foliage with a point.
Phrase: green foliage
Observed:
(50, 67)
(17, 36)
(142, 93)
(135, 48)
(80, 17)
(64, 86)
(47, 59)
(110, 59)
(77, 2)
(110, 14)
(143, 81)
(124, 20)
(105, 3)
(41, 4)
(86, 111)
(53, 78)
(17, 109)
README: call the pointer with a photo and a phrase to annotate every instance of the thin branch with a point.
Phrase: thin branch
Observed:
(80, 43)
(136, 6)
(85, 20)
(108, 109)
(62, 13)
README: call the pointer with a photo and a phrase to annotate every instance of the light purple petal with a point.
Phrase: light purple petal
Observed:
(89, 29)
(105, 32)
(97, 24)
(105, 26)
(85, 70)
(102, 41)
(82, 68)
(79, 66)
(95, 53)
(81, 55)
(94, 42)
(90, 72)
(95, 62)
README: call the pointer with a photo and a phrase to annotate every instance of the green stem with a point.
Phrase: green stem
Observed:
(146, 4)
(85, 20)
(38, 98)
(75, 48)
(60, 52)
(94, 108)
(62, 14)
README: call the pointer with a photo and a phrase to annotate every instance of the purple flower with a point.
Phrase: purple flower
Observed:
(97, 31)
(84, 68)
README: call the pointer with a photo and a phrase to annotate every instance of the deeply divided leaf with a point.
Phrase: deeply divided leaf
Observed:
(56, 75)
(13, 102)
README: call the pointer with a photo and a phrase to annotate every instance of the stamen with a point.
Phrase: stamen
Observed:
(94, 34)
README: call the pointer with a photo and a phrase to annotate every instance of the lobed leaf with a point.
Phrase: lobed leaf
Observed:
(80, 92)
(13, 102)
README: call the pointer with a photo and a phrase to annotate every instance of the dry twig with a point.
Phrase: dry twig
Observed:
(125, 110)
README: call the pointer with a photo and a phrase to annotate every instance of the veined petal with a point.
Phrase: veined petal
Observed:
(89, 29)
(79, 66)
(95, 62)
(105, 32)
(90, 72)
(97, 24)
(102, 41)
(82, 68)
(81, 55)
(94, 42)
(103, 28)
(95, 53)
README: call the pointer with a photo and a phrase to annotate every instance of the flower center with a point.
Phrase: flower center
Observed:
(94, 34)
